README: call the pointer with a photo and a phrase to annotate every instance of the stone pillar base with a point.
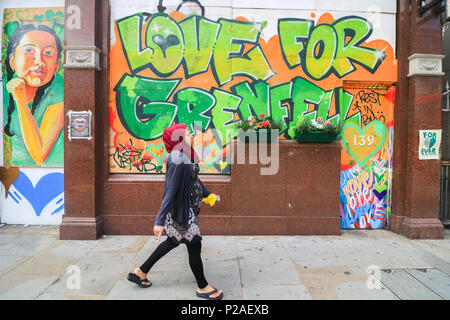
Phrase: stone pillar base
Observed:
(418, 228)
(76, 228)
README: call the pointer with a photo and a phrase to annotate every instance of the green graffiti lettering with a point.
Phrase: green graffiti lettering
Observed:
(193, 104)
(328, 47)
(130, 34)
(293, 33)
(345, 102)
(199, 37)
(358, 30)
(163, 50)
(223, 115)
(255, 98)
(164, 36)
(228, 54)
(305, 93)
(280, 98)
(321, 52)
(335, 120)
(141, 105)
(324, 107)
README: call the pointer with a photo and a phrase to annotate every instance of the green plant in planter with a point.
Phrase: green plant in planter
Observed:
(316, 130)
(258, 123)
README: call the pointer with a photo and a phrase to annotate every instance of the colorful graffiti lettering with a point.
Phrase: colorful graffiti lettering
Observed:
(209, 74)
(365, 193)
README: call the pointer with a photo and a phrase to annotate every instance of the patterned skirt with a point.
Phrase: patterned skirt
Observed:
(179, 233)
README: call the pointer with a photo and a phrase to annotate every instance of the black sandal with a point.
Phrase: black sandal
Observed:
(207, 295)
(140, 282)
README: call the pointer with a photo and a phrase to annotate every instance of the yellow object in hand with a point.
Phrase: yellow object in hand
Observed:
(211, 199)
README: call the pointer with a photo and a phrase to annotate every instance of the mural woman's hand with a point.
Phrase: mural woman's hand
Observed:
(158, 231)
(16, 87)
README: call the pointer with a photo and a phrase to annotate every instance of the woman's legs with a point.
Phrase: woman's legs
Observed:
(159, 252)
(195, 262)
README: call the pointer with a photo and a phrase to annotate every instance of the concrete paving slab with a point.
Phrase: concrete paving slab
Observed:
(6, 238)
(52, 296)
(72, 249)
(435, 279)
(33, 265)
(30, 230)
(119, 243)
(359, 290)
(215, 248)
(265, 262)
(98, 272)
(357, 250)
(223, 275)
(405, 286)
(26, 245)
(59, 296)
(439, 248)
(164, 287)
(9, 262)
(322, 282)
(314, 252)
(24, 287)
(276, 292)
(43, 264)
(436, 253)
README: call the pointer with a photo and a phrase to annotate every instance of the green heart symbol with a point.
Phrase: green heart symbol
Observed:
(38, 18)
(158, 159)
(49, 14)
(361, 144)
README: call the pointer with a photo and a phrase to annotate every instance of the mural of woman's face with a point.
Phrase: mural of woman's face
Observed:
(36, 58)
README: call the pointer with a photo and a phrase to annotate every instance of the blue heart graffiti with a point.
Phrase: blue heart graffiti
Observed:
(48, 188)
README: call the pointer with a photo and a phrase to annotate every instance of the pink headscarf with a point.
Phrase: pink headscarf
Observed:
(173, 138)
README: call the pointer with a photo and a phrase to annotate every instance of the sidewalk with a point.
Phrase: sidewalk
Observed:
(35, 264)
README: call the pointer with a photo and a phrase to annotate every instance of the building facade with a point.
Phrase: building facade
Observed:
(131, 69)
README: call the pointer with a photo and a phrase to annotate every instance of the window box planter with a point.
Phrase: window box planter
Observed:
(315, 136)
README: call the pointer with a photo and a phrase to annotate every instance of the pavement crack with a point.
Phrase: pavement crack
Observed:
(239, 265)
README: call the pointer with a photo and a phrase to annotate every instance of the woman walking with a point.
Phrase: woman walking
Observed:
(177, 216)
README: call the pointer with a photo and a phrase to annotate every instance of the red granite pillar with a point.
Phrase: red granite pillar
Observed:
(83, 40)
(415, 196)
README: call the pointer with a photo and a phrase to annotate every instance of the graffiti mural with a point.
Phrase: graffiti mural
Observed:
(366, 172)
(32, 196)
(211, 73)
(33, 87)
(32, 178)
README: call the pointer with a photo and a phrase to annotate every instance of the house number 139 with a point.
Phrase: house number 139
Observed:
(363, 140)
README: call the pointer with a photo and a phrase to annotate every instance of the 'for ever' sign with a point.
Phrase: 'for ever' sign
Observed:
(429, 144)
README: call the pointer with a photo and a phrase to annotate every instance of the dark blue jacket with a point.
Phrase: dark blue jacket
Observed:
(176, 189)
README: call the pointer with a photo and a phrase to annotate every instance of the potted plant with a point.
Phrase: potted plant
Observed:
(256, 124)
(316, 130)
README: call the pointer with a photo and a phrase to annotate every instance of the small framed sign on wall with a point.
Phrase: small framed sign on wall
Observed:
(79, 125)
(430, 144)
